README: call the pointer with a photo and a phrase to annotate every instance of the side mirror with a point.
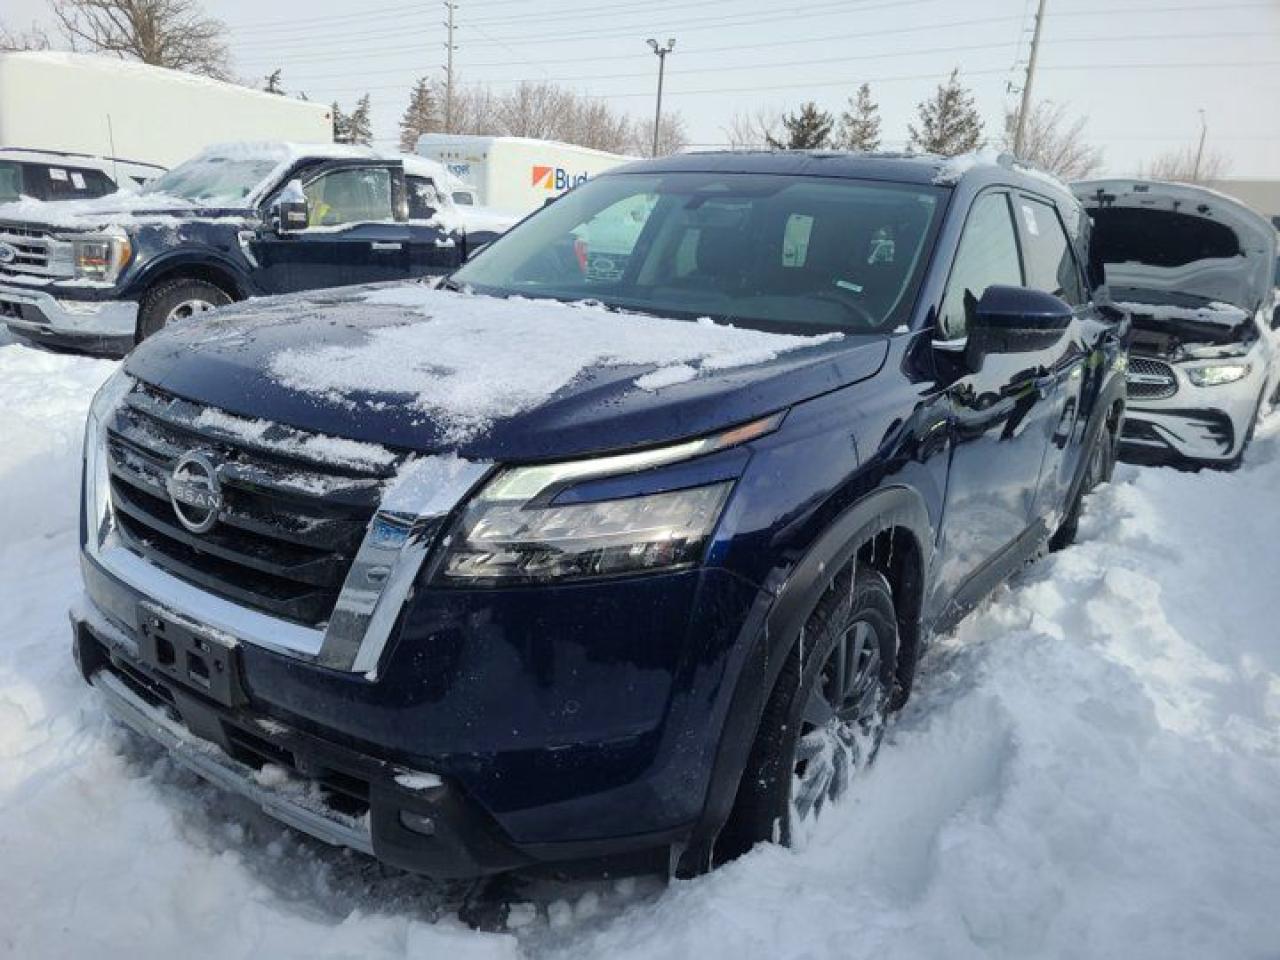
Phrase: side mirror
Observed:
(1015, 320)
(289, 211)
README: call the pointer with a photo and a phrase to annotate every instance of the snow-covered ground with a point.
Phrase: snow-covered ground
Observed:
(1090, 768)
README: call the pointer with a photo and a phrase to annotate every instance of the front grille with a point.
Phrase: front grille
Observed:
(1150, 379)
(292, 519)
(34, 251)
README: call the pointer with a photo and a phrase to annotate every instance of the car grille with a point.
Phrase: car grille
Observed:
(36, 251)
(291, 520)
(1150, 379)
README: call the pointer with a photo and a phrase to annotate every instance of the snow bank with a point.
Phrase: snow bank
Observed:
(1089, 768)
(477, 359)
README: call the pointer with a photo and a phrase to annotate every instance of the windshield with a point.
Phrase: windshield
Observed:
(214, 180)
(10, 181)
(773, 252)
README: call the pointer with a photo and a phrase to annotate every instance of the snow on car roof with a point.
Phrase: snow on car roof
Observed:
(468, 360)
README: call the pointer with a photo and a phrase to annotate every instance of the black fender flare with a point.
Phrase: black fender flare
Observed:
(199, 266)
(881, 510)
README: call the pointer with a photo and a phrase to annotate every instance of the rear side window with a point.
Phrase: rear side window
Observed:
(987, 256)
(424, 199)
(1051, 264)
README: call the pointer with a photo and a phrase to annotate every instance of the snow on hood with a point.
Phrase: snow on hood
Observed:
(120, 209)
(1242, 281)
(467, 360)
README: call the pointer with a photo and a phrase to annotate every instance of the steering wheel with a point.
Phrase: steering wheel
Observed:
(847, 302)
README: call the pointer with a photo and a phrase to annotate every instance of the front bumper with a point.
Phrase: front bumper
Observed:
(92, 325)
(1199, 425)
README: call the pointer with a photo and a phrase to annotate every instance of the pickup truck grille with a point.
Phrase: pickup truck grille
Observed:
(291, 519)
(37, 253)
(1150, 379)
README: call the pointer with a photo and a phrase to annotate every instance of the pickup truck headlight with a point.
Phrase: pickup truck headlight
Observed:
(1216, 374)
(101, 257)
(515, 531)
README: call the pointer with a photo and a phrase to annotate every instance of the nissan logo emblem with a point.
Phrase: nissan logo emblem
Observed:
(195, 492)
(8, 253)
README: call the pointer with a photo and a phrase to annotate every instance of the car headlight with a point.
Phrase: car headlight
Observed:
(515, 531)
(101, 257)
(97, 478)
(1214, 375)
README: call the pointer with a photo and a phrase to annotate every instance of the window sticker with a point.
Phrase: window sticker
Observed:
(57, 173)
(795, 240)
(77, 180)
(1029, 217)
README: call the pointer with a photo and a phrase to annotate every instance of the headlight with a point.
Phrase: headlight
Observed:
(514, 531)
(101, 257)
(1217, 374)
(97, 479)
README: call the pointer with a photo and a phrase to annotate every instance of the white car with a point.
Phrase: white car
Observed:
(1195, 271)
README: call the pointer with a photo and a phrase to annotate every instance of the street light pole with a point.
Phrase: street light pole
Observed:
(662, 52)
(1204, 129)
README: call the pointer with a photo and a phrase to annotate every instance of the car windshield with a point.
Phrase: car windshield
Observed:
(765, 251)
(214, 179)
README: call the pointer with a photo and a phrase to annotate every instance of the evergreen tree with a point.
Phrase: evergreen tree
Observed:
(273, 83)
(949, 121)
(360, 125)
(421, 116)
(810, 129)
(341, 125)
(860, 122)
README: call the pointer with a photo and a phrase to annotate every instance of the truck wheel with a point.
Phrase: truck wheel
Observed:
(177, 300)
(825, 718)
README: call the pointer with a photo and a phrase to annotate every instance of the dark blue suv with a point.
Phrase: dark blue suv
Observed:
(622, 542)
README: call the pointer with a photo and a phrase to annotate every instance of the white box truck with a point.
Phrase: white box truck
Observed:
(72, 104)
(516, 174)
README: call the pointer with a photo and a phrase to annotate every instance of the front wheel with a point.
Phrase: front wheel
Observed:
(825, 718)
(1098, 469)
(175, 301)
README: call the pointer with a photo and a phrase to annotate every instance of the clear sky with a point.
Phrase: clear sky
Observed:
(1139, 69)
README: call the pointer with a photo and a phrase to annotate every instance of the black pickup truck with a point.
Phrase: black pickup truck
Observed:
(236, 221)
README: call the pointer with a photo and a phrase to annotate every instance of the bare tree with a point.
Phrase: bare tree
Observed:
(672, 136)
(475, 110)
(1054, 142)
(33, 38)
(1180, 166)
(752, 130)
(593, 123)
(538, 110)
(164, 33)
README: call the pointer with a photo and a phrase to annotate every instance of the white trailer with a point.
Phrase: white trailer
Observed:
(516, 174)
(99, 106)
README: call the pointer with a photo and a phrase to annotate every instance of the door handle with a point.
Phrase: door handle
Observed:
(379, 247)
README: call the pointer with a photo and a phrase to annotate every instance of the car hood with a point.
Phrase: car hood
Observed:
(487, 378)
(1225, 252)
(115, 209)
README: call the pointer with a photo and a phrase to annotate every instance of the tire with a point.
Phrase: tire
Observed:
(805, 752)
(176, 300)
(1098, 469)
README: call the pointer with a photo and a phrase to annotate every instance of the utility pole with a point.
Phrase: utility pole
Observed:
(1204, 130)
(1021, 129)
(662, 52)
(450, 46)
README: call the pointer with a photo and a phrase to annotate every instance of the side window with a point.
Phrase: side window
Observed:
(988, 256)
(1051, 264)
(358, 195)
(424, 199)
(71, 183)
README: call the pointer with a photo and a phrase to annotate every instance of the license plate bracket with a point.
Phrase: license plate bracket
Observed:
(199, 659)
